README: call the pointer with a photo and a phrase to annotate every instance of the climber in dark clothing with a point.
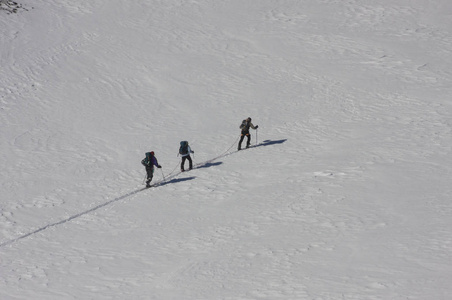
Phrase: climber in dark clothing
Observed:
(184, 152)
(245, 127)
(149, 162)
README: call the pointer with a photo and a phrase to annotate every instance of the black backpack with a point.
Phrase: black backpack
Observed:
(244, 125)
(183, 149)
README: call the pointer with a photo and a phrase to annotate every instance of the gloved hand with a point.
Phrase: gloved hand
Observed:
(159, 166)
(257, 126)
(192, 151)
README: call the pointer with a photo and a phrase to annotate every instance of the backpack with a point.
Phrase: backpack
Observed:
(183, 149)
(147, 160)
(244, 124)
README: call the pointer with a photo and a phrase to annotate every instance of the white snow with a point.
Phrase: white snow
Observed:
(347, 196)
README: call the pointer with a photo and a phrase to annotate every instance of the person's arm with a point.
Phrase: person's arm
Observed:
(156, 163)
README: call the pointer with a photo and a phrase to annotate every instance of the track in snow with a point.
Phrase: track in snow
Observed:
(167, 180)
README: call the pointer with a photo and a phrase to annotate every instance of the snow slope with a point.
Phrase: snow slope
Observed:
(346, 196)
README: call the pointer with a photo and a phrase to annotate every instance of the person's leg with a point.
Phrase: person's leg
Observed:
(240, 142)
(182, 163)
(248, 141)
(190, 162)
(150, 174)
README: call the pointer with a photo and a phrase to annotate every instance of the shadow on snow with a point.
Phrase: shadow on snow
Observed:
(208, 164)
(270, 142)
(176, 180)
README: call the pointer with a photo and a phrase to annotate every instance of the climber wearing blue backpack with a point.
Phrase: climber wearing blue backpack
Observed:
(184, 152)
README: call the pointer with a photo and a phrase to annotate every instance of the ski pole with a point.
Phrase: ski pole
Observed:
(164, 179)
(256, 135)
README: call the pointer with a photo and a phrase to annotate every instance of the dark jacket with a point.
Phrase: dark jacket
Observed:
(150, 160)
(245, 126)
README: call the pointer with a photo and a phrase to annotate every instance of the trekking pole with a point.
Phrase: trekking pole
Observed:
(257, 129)
(145, 176)
(164, 179)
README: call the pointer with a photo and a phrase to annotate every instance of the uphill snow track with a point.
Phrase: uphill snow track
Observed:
(170, 178)
(71, 217)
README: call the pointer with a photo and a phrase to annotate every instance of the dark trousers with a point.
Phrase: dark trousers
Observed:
(248, 141)
(190, 162)
(150, 173)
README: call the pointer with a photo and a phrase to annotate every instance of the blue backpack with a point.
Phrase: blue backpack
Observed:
(183, 149)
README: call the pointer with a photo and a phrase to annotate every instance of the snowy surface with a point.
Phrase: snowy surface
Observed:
(348, 194)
